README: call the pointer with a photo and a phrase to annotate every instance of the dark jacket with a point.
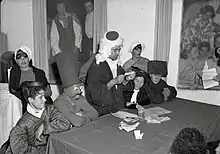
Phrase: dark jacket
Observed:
(97, 92)
(14, 81)
(155, 91)
(142, 97)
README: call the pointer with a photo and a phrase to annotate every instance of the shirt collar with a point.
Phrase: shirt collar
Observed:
(34, 112)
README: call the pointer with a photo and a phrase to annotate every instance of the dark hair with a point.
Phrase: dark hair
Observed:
(206, 9)
(140, 73)
(217, 55)
(138, 47)
(31, 89)
(189, 141)
(204, 44)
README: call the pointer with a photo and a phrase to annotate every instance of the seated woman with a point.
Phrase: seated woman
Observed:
(22, 71)
(134, 91)
(136, 60)
(30, 135)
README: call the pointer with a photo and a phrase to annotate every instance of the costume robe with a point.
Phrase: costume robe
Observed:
(22, 136)
(104, 100)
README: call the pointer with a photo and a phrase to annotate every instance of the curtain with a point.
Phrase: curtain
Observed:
(100, 21)
(163, 23)
(40, 35)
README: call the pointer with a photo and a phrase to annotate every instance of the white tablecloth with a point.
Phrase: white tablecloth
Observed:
(10, 112)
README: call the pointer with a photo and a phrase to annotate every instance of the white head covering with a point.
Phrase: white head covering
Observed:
(26, 50)
(106, 45)
(134, 44)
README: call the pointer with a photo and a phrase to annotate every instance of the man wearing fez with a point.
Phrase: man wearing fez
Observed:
(105, 77)
(66, 40)
(72, 104)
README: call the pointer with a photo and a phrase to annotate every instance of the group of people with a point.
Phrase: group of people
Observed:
(199, 39)
(109, 88)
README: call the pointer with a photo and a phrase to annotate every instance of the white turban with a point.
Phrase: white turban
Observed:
(26, 50)
(134, 44)
(106, 45)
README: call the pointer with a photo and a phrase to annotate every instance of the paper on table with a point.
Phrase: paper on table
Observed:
(156, 111)
(123, 115)
(138, 135)
(155, 119)
(127, 127)
(207, 78)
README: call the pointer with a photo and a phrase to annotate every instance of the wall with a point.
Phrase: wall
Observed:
(17, 22)
(134, 20)
(210, 97)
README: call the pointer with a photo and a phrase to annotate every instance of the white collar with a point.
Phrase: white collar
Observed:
(33, 112)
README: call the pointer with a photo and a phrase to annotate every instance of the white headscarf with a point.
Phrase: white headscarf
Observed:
(134, 44)
(26, 50)
(105, 48)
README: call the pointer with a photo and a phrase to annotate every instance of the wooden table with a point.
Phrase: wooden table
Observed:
(104, 137)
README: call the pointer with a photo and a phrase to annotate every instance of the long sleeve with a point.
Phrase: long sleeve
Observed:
(54, 37)
(173, 92)
(78, 33)
(97, 89)
(69, 111)
(19, 142)
(55, 121)
(87, 110)
(155, 97)
(13, 88)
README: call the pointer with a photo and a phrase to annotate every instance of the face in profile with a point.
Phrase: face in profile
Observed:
(155, 78)
(61, 8)
(115, 52)
(193, 53)
(139, 82)
(88, 6)
(39, 101)
(22, 60)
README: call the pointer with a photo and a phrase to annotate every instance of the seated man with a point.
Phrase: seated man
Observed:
(30, 135)
(134, 91)
(72, 104)
(105, 77)
(158, 90)
(189, 141)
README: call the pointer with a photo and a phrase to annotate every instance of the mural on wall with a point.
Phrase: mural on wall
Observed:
(199, 63)
(66, 27)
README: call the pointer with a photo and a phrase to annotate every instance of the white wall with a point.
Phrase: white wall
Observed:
(134, 20)
(206, 96)
(17, 23)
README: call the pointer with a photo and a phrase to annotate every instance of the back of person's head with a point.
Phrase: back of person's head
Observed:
(30, 89)
(189, 141)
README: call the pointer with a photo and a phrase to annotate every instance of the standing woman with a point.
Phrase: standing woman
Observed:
(22, 71)
(136, 60)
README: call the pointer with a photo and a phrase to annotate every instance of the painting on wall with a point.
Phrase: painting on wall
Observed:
(199, 63)
(66, 31)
